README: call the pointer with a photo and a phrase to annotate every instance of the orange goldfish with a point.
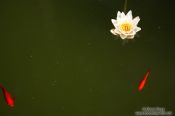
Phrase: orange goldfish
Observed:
(7, 96)
(143, 82)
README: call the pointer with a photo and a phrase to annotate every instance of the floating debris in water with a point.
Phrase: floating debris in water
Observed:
(54, 83)
(125, 25)
(33, 98)
(30, 56)
(158, 27)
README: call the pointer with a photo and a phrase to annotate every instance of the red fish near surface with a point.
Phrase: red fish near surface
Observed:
(8, 98)
(143, 82)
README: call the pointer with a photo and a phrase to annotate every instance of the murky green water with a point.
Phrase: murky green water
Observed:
(58, 58)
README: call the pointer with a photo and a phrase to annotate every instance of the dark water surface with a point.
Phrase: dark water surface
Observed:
(58, 58)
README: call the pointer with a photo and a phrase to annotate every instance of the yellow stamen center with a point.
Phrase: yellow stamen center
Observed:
(126, 27)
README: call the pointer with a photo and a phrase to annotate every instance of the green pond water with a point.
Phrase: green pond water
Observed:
(58, 58)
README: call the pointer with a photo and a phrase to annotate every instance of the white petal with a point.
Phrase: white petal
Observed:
(123, 36)
(122, 15)
(130, 36)
(114, 22)
(131, 33)
(129, 15)
(117, 31)
(136, 20)
(118, 15)
(137, 29)
(113, 32)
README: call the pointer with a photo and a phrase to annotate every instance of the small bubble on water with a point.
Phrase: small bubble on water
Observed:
(62, 107)
(90, 89)
(33, 98)
(57, 62)
(54, 83)
(89, 43)
(158, 27)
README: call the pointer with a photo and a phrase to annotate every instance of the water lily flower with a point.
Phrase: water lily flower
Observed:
(125, 25)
